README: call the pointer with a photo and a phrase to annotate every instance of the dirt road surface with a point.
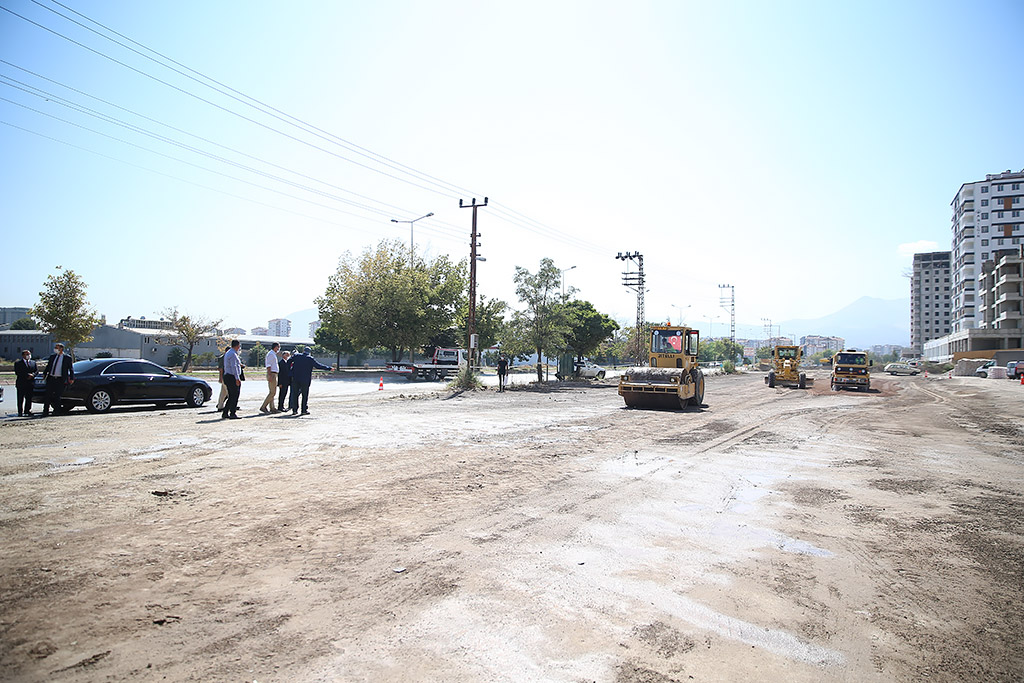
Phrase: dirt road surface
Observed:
(775, 534)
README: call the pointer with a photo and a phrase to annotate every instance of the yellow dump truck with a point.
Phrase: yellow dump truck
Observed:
(671, 378)
(785, 368)
(851, 369)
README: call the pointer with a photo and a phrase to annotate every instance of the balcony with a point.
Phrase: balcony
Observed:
(1009, 277)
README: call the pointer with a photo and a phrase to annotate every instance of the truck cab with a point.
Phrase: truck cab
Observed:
(851, 369)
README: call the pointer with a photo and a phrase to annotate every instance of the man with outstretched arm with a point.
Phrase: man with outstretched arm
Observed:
(302, 375)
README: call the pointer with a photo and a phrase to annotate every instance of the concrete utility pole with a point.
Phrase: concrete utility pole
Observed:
(471, 320)
(636, 281)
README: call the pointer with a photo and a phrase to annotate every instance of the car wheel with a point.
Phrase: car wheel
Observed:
(196, 397)
(99, 401)
(600, 375)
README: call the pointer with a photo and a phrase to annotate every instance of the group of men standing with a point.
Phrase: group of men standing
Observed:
(285, 372)
(59, 373)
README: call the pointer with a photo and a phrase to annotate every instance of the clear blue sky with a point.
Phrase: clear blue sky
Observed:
(799, 151)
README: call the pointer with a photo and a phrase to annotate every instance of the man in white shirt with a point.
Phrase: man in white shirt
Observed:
(272, 370)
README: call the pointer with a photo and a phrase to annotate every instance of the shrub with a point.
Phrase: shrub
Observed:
(104, 354)
(466, 380)
(729, 367)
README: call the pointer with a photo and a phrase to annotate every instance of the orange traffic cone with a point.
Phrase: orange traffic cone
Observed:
(1022, 380)
(380, 387)
(950, 374)
(926, 374)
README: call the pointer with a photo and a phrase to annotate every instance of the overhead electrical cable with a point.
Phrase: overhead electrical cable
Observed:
(502, 213)
(195, 184)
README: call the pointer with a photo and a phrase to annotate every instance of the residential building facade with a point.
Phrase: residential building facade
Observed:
(280, 327)
(313, 327)
(12, 314)
(814, 343)
(930, 289)
(986, 216)
(260, 331)
(1001, 292)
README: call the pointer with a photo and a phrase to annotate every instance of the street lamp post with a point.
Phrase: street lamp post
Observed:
(393, 220)
(711, 325)
(681, 309)
(563, 272)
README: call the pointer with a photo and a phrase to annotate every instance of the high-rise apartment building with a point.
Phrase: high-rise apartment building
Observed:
(313, 327)
(986, 216)
(280, 327)
(930, 289)
(814, 343)
(1001, 292)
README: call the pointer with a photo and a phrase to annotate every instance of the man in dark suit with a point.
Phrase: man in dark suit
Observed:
(284, 379)
(25, 381)
(59, 374)
(302, 374)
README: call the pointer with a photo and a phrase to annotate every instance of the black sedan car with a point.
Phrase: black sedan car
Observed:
(101, 383)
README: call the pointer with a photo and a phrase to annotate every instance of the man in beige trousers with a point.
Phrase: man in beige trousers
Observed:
(272, 370)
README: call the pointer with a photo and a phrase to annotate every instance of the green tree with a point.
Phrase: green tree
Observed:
(764, 352)
(23, 324)
(187, 331)
(175, 357)
(257, 355)
(588, 328)
(489, 322)
(542, 327)
(329, 339)
(63, 310)
(379, 300)
(719, 350)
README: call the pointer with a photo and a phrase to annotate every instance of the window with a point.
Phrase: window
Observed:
(984, 256)
(1016, 214)
(984, 228)
(999, 188)
(984, 202)
(984, 243)
(1015, 186)
(999, 214)
(984, 189)
(984, 216)
(1016, 240)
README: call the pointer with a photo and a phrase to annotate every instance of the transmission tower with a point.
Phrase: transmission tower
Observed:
(635, 281)
(728, 302)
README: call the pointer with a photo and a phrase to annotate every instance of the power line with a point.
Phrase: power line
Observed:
(201, 185)
(509, 215)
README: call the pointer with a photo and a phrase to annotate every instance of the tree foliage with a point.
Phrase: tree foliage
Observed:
(379, 300)
(63, 310)
(588, 328)
(488, 325)
(187, 331)
(23, 324)
(333, 342)
(719, 350)
(257, 355)
(543, 325)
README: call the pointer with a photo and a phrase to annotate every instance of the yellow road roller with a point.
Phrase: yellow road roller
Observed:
(671, 379)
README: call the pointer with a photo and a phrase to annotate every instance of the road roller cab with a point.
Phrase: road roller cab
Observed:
(671, 378)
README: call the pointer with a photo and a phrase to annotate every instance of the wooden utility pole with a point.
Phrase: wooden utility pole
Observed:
(471, 320)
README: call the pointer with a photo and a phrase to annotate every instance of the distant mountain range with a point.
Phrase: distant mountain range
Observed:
(865, 322)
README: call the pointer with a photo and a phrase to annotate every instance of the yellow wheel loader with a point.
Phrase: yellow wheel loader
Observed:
(785, 369)
(672, 379)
